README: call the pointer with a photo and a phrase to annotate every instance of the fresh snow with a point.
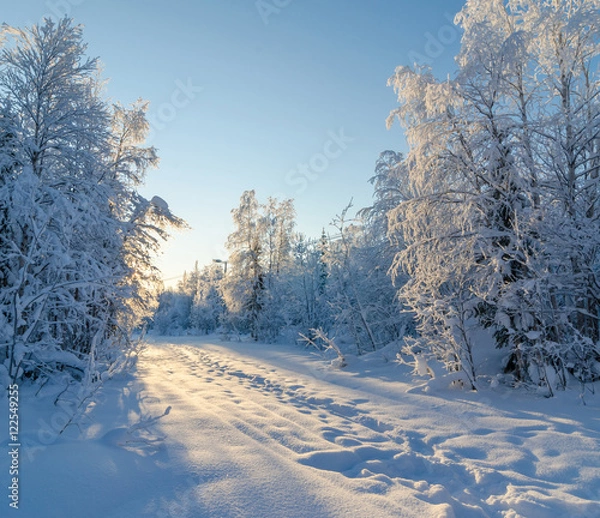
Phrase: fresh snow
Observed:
(254, 430)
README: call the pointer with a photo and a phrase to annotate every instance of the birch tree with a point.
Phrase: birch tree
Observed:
(502, 231)
(74, 232)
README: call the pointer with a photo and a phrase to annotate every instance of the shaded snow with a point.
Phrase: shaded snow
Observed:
(270, 431)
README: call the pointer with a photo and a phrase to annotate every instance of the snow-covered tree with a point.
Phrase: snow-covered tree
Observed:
(208, 307)
(75, 236)
(503, 162)
(172, 316)
(362, 298)
(244, 287)
(260, 250)
(143, 223)
(308, 307)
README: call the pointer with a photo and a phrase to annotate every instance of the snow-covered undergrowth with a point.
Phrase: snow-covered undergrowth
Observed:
(270, 431)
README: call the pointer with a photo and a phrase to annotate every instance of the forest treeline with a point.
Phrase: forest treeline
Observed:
(486, 231)
(483, 237)
(277, 283)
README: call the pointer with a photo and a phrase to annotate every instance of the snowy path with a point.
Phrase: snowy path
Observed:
(266, 431)
(263, 446)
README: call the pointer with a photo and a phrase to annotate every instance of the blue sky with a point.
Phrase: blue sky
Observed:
(287, 97)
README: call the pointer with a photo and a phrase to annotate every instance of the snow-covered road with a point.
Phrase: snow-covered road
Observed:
(263, 431)
(265, 441)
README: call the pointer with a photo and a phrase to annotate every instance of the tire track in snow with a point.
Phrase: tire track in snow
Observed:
(330, 435)
(245, 413)
(346, 411)
(458, 456)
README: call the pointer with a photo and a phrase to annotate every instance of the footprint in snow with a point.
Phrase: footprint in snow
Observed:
(339, 461)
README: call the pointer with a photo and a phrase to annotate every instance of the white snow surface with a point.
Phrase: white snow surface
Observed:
(263, 431)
